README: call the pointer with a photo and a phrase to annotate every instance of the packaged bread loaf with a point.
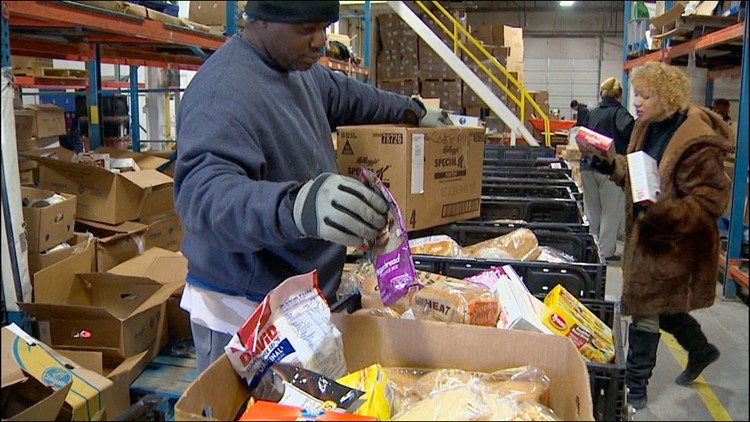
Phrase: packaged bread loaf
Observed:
(520, 244)
(440, 245)
(453, 300)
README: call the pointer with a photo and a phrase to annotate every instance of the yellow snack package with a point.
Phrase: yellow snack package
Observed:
(566, 316)
(378, 395)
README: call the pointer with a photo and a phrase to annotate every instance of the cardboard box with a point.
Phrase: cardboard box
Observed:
(47, 226)
(90, 394)
(25, 398)
(122, 373)
(645, 182)
(24, 120)
(49, 120)
(80, 243)
(214, 13)
(165, 267)
(420, 344)
(29, 66)
(434, 174)
(114, 243)
(114, 314)
(520, 310)
(104, 196)
(164, 232)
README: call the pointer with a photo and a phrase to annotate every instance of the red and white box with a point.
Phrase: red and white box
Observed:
(645, 182)
(594, 143)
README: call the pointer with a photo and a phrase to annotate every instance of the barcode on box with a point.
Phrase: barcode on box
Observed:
(458, 208)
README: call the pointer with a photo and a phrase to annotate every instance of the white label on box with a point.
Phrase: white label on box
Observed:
(645, 183)
(44, 332)
(417, 163)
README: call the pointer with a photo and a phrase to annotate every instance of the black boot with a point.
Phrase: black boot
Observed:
(687, 331)
(642, 347)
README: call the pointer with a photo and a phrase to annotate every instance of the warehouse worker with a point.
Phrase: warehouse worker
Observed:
(256, 181)
(603, 200)
(672, 246)
(582, 110)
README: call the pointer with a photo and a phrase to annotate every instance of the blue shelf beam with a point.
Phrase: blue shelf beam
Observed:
(739, 185)
(231, 18)
(92, 100)
(135, 117)
(625, 54)
(368, 17)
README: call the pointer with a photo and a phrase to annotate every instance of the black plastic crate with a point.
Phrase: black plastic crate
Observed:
(489, 170)
(527, 191)
(608, 379)
(585, 278)
(530, 179)
(517, 152)
(541, 163)
(535, 210)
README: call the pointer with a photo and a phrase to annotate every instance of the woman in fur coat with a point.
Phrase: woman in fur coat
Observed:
(672, 246)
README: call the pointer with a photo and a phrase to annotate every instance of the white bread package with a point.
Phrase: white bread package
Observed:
(645, 182)
(520, 244)
(440, 245)
(453, 300)
(594, 143)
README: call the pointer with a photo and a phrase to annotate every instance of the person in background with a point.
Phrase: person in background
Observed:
(256, 181)
(721, 107)
(603, 200)
(672, 245)
(581, 111)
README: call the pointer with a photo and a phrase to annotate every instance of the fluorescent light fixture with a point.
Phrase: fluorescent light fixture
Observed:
(566, 3)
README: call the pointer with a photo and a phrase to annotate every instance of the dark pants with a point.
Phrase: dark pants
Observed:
(643, 342)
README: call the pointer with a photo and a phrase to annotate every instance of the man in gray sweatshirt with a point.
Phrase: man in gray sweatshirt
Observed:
(256, 181)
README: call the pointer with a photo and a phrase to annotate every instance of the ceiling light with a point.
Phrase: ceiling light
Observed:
(566, 3)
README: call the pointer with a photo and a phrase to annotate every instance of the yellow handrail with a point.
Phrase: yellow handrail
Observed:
(457, 43)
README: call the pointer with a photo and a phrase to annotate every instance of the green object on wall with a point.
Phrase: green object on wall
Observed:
(640, 10)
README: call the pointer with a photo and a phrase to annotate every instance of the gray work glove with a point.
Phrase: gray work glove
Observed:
(340, 209)
(432, 117)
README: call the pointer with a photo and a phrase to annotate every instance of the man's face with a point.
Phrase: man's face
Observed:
(294, 46)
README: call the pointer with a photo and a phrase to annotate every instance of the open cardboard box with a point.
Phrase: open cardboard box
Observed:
(104, 196)
(79, 243)
(114, 243)
(418, 344)
(89, 395)
(122, 373)
(118, 315)
(165, 267)
(25, 398)
(49, 225)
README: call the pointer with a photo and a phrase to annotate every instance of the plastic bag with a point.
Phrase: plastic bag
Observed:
(520, 244)
(550, 254)
(440, 245)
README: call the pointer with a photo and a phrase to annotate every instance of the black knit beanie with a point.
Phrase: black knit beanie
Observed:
(293, 11)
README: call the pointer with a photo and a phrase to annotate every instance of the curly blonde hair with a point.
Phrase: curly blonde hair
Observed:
(670, 83)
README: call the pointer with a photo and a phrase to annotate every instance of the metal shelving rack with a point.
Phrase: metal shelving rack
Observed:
(74, 31)
(730, 259)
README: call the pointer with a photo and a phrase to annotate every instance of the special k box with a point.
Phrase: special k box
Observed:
(434, 174)
(594, 143)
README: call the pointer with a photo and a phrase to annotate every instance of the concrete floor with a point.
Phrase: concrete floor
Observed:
(721, 393)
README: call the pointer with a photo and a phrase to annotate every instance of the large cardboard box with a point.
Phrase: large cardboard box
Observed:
(419, 344)
(81, 244)
(104, 196)
(24, 120)
(165, 267)
(25, 398)
(164, 232)
(47, 225)
(434, 174)
(49, 120)
(90, 394)
(122, 373)
(114, 314)
(115, 243)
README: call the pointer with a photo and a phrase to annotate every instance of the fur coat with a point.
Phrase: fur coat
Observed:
(670, 261)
